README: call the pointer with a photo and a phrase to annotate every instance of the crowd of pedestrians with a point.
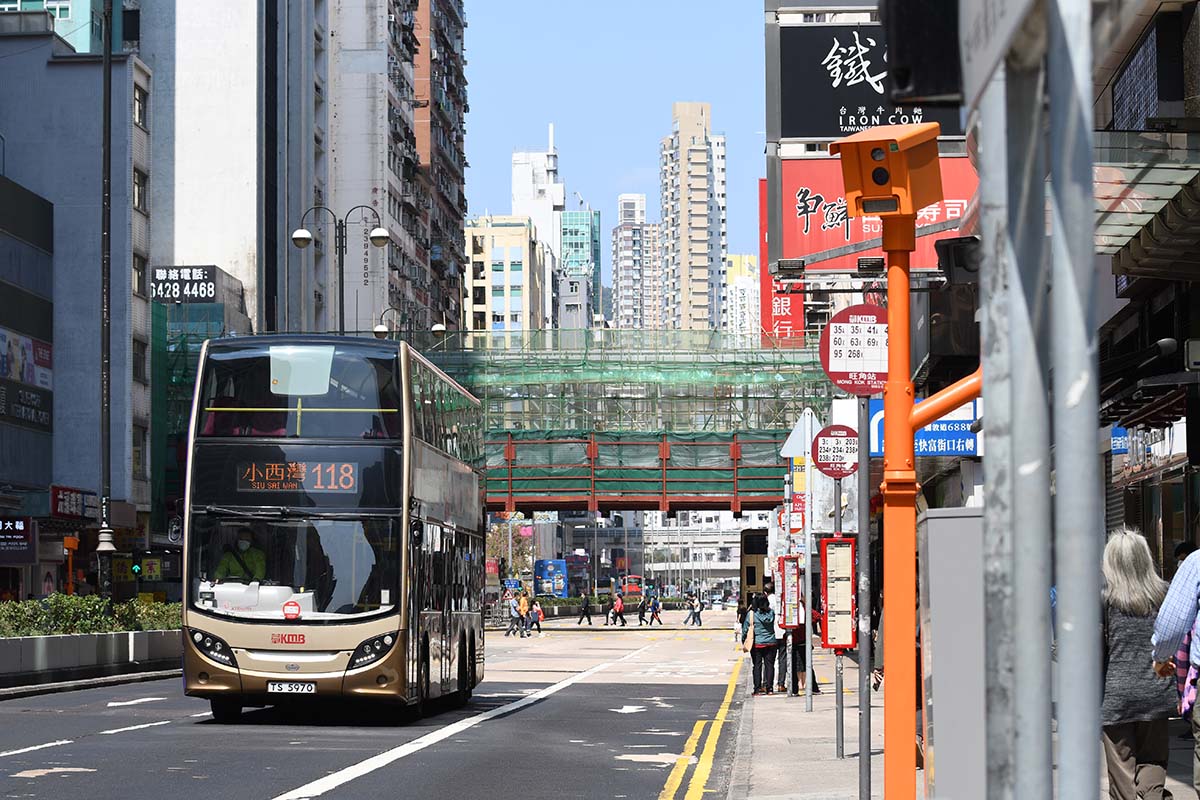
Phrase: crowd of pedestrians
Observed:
(524, 615)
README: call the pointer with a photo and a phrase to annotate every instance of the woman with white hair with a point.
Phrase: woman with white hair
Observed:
(1137, 703)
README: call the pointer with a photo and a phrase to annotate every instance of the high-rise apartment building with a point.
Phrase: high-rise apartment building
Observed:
(692, 231)
(637, 271)
(284, 115)
(373, 161)
(508, 270)
(579, 266)
(538, 193)
(739, 295)
(441, 92)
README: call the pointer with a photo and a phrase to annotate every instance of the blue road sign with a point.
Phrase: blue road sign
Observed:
(949, 436)
(1120, 440)
(512, 583)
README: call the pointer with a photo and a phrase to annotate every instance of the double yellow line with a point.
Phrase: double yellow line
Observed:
(705, 763)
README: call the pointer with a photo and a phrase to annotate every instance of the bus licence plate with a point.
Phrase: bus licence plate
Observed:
(291, 687)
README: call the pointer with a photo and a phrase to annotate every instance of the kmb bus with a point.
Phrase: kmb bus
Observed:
(333, 526)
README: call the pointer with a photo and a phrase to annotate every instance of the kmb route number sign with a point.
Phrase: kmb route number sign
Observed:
(854, 349)
(835, 451)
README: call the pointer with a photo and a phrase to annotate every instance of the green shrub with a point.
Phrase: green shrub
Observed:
(60, 613)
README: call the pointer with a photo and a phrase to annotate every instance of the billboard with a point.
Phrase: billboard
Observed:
(26, 380)
(815, 220)
(834, 81)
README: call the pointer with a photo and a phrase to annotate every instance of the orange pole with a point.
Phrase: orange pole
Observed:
(956, 394)
(899, 490)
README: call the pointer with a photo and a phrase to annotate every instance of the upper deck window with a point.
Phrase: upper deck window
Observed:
(312, 390)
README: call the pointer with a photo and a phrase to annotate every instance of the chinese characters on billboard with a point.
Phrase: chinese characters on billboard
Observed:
(815, 220)
(26, 380)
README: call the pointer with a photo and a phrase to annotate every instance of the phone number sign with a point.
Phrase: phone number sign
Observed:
(835, 451)
(854, 349)
(183, 285)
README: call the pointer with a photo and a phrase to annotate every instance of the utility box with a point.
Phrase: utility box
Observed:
(950, 548)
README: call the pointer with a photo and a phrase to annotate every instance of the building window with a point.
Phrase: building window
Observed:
(10, 5)
(141, 107)
(516, 266)
(140, 199)
(138, 451)
(139, 361)
(139, 275)
(61, 9)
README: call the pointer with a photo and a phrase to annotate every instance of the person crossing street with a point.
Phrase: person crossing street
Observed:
(585, 607)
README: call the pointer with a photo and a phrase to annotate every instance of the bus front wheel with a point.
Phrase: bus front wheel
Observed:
(225, 710)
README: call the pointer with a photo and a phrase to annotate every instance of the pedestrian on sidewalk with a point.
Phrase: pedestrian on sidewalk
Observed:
(655, 610)
(619, 610)
(606, 607)
(523, 610)
(780, 638)
(742, 610)
(535, 617)
(697, 607)
(641, 609)
(758, 639)
(585, 607)
(1136, 702)
(514, 617)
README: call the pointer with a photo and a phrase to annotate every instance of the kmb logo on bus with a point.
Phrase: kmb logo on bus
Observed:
(287, 638)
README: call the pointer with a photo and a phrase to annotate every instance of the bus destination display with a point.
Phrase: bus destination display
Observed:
(293, 476)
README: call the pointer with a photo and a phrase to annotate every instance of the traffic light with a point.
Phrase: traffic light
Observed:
(135, 566)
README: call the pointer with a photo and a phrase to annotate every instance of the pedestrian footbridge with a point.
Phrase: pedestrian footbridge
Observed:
(605, 420)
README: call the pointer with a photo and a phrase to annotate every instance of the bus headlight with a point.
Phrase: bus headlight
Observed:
(372, 650)
(213, 647)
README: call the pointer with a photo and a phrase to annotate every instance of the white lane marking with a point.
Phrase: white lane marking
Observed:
(657, 733)
(354, 771)
(39, 773)
(36, 747)
(135, 727)
(662, 759)
(629, 709)
(116, 704)
(202, 714)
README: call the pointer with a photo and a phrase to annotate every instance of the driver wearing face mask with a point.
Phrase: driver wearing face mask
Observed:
(246, 562)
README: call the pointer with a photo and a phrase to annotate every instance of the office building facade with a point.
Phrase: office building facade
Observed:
(538, 193)
(579, 266)
(508, 273)
(60, 162)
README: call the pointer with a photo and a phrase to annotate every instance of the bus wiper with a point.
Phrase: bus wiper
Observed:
(258, 513)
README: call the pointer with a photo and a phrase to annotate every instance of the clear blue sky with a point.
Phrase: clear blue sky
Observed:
(605, 73)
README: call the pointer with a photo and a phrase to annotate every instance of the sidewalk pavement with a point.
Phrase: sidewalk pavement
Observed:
(784, 752)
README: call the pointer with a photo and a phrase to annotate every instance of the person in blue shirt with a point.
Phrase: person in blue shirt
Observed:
(515, 623)
(760, 624)
(1176, 617)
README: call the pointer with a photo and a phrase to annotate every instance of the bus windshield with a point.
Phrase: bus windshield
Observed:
(312, 390)
(296, 568)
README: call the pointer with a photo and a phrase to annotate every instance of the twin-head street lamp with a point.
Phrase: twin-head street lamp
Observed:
(378, 236)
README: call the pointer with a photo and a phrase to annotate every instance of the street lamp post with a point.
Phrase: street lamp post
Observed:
(379, 237)
(105, 547)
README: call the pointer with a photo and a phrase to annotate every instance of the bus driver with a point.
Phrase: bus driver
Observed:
(247, 562)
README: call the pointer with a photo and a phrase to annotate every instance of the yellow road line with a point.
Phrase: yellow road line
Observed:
(704, 767)
(675, 779)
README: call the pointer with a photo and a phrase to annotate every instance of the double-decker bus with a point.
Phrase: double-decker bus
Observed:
(753, 562)
(334, 526)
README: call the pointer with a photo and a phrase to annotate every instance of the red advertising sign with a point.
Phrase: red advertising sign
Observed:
(854, 349)
(291, 610)
(835, 451)
(492, 566)
(815, 219)
(781, 308)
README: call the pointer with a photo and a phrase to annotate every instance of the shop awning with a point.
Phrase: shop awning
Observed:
(1147, 192)
(1152, 402)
